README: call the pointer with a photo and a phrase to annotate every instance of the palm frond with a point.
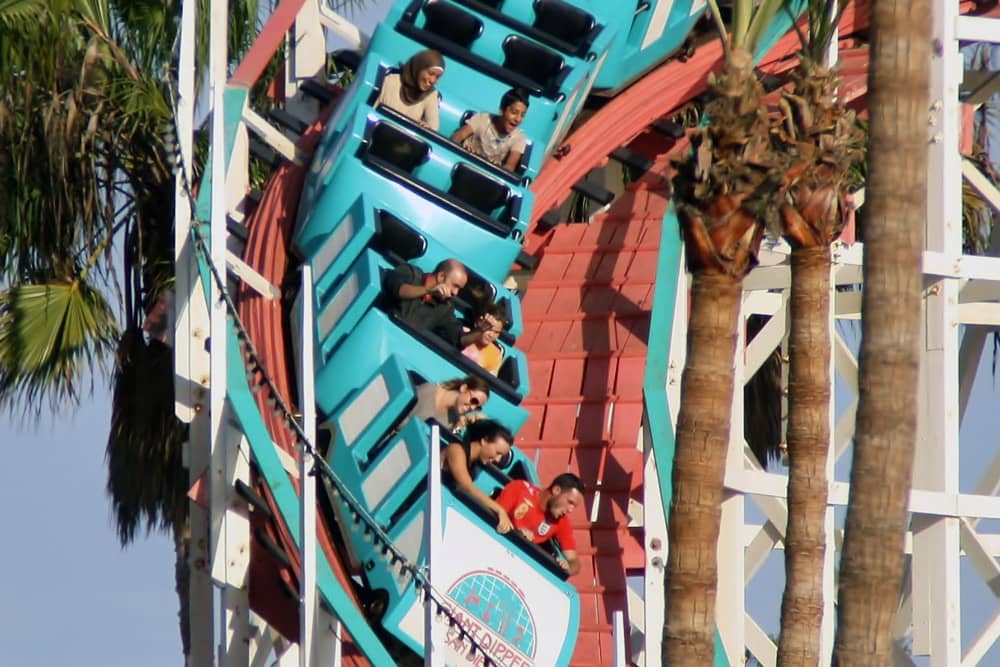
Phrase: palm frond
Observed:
(51, 336)
(15, 13)
(748, 21)
(978, 219)
(146, 477)
(762, 418)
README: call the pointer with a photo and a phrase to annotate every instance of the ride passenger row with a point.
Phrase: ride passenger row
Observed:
(494, 137)
(425, 301)
(537, 514)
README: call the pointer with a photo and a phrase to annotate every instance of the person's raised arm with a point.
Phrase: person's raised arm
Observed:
(408, 292)
(478, 333)
(571, 563)
(513, 160)
(462, 133)
(457, 464)
(431, 118)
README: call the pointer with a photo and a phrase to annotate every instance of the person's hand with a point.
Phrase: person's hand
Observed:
(504, 523)
(467, 419)
(563, 564)
(486, 322)
(439, 291)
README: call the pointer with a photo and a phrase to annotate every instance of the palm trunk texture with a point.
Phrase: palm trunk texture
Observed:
(699, 467)
(872, 560)
(823, 144)
(808, 442)
(719, 208)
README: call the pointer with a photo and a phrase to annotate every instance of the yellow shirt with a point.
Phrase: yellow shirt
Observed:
(489, 357)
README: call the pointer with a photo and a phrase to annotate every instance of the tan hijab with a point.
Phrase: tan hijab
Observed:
(409, 75)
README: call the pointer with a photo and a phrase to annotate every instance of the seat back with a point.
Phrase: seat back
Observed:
(397, 147)
(563, 21)
(531, 60)
(477, 190)
(398, 240)
(451, 23)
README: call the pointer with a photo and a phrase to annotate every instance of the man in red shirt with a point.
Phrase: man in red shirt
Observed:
(543, 514)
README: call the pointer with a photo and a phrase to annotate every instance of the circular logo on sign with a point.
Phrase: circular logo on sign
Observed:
(499, 606)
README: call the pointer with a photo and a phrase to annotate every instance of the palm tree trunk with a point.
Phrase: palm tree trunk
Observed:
(699, 467)
(872, 560)
(808, 442)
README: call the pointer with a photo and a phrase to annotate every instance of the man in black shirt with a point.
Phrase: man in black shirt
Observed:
(424, 299)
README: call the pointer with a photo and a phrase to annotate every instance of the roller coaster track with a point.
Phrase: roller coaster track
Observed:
(586, 315)
(267, 251)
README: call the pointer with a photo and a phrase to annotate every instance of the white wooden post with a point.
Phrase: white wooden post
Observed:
(230, 526)
(433, 631)
(936, 551)
(307, 506)
(191, 360)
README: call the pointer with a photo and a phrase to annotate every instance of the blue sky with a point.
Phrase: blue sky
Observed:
(69, 595)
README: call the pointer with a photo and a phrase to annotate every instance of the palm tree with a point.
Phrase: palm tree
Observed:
(823, 143)
(725, 192)
(871, 564)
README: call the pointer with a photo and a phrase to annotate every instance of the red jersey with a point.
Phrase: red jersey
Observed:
(521, 500)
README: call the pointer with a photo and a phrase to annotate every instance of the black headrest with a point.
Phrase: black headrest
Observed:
(397, 147)
(398, 238)
(563, 21)
(477, 190)
(530, 60)
(450, 22)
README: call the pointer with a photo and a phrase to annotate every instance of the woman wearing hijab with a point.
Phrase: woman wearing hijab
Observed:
(412, 92)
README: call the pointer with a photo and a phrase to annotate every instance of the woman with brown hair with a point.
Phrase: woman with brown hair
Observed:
(451, 402)
(485, 442)
(412, 92)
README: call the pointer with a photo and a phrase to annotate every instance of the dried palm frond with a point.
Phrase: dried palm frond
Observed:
(728, 186)
(824, 145)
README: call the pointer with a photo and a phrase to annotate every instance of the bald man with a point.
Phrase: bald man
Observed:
(424, 300)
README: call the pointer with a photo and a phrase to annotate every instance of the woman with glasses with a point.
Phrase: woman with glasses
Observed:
(451, 402)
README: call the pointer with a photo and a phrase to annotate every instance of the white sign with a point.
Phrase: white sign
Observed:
(519, 616)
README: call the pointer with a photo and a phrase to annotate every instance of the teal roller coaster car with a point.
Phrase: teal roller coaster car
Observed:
(383, 190)
(508, 594)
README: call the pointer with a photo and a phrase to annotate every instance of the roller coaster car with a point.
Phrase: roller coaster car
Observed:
(496, 585)
(489, 203)
(354, 336)
(335, 236)
(515, 177)
(439, 194)
(554, 23)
